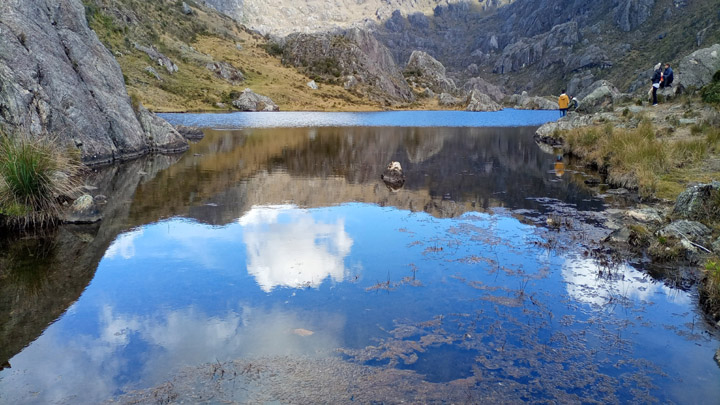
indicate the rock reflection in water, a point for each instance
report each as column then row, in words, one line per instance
column 449, row 171
column 42, row 274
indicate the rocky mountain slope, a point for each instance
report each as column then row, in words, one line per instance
column 56, row 79
column 535, row 45
column 310, row 16
column 179, row 56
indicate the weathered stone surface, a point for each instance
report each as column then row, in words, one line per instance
column 57, row 78
column 571, row 121
column 684, row 229
column 251, row 101
column 630, row 14
column 484, row 87
column 449, row 100
column 525, row 102
column 393, row 176
column 645, row 215
column 696, row 70
column 186, row 9
column 599, row 96
column 193, row 133
column 312, row 85
column 580, row 82
column 226, row 71
column 160, row 136
column 366, row 64
column 552, row 47
column 159, row 58
column 84, row 210
column 426, row 71
column 152, row 72
column 478, row 101
column 698, row 202
column 591, row 57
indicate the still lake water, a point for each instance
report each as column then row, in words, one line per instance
column 271, row 263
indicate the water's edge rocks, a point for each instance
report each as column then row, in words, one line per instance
column 57, row 79
column 251, row 101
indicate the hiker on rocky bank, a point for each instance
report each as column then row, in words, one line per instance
column 667, row 76
column 657, row 77
column 563, row 103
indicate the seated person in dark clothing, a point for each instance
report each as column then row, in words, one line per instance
column 667, row 76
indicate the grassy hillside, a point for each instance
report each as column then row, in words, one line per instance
column 191, row 42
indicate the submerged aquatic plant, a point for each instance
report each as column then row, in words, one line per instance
column 34, row 173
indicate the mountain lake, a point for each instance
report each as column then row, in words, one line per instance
column 271, row 264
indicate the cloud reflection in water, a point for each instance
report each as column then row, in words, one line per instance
column 287, row 247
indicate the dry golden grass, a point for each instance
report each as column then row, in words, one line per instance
column 646, row 159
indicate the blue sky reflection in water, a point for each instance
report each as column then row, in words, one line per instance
column 303, row 257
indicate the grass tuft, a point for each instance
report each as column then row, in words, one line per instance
column 709, row 289
column 34, row 173
column 643, row 158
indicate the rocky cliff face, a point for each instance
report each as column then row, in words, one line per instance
column 353, row 57
column 540, row 46
column 309, row 16
column 56, row 78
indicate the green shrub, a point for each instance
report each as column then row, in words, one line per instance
column 273, row 49
column 711, row 92
column 33, row 174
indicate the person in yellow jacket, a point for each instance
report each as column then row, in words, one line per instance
column 563, row 102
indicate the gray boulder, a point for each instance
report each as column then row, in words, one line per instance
column 599, row 96
column 84, row 210
column 544, row 50
column 580, row 82
column 226, row 72
column 193, row 133
column 525, row 102
column 426, row 71
column 630, row 14
column 158, row 57
column 697, row 69
column 312, row 85
column 645, row 215
column 449, row 100
column 186, row 9
column 353, row 53
column 152, row 72
column 591, row 57
column 393, row 176
column 478, row 101
column 57, row 78
column 251, row 101
column 160, row 136
column 571, row 121
column 698, row 202
column 686, row 230
column 484, row 87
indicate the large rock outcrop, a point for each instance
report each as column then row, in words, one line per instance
column 251, row 101
column 478, row 101
column 550, row 48
column 523, row 101
column 57, row 78
column 355, row 55
column 630, row 14
column 599, row 96
column 426, row 71
column 697, row 69
column 484, row 87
